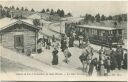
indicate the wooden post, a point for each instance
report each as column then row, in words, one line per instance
column 36, row 38
column 1, row 38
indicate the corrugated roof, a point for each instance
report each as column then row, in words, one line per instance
column 34, row 16
column 28, row 21
column 72, row 19
column 38, row 16
column 6, row 22
column 98, row 27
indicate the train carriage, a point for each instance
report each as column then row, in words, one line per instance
column 105, row 36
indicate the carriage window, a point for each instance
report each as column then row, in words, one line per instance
column 120, row 31
column 98, row 32
column 102, row 33
column 106, row 33
column 109, row 32
column 95, row 32
column 87, row 30
column 114, row 32
column 92, row 31
column 81, row 29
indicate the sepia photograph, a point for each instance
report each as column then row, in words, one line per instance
column 63, row 38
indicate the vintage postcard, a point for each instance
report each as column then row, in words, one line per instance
column 63, row 40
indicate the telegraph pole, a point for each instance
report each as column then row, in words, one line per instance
column 61, row 27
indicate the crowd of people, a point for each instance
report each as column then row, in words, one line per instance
column 105, row 61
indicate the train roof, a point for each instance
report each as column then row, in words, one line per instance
column 98, row 27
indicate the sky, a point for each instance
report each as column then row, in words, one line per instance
column 77, row 8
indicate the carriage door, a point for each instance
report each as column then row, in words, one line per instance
column 87, row 30
column 19, row 43
column 119, row 36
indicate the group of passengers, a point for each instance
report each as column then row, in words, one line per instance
column 105, row 62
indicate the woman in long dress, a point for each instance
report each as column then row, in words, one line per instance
column 91, row 67
column 102, row 69
column 83, row 59
column 39, row 47
column 55, row 57
column 67, row 55
column 113, row 60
